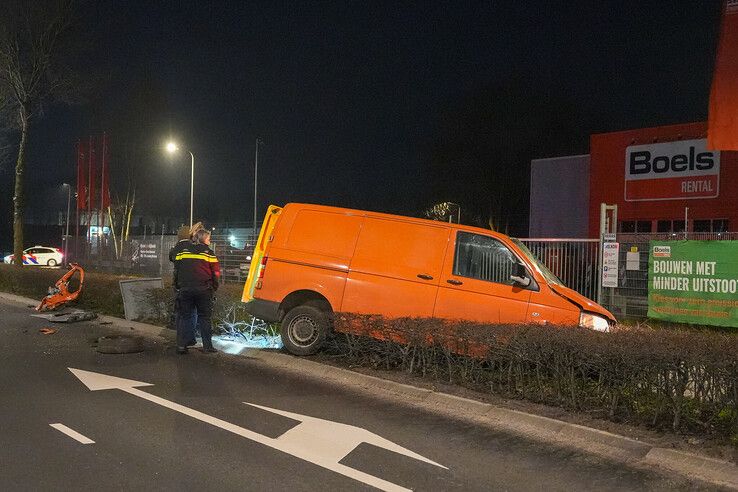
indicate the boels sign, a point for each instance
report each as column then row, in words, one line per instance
column 671, row 171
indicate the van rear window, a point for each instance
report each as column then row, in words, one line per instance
column 326, row 233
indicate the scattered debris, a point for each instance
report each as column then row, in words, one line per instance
column 47, row 331
column 67, row 316
column 59, row 294
column 74, row 317
column 119, row 344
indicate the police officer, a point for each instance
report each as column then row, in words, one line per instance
column 184, row 240
column 185, row 237
column 197, row 274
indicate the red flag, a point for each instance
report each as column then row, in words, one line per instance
column 91, row 177
column 81, row 177
column 105, row 181
column 722, row 129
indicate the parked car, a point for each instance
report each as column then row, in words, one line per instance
column 40, row 256
column 311, row 261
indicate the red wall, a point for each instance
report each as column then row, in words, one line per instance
column 607, row 179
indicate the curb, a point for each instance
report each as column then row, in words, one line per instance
column 613, row 446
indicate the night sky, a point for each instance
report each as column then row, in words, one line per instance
column 352, row 99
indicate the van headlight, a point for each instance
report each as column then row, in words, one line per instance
column 594, row 322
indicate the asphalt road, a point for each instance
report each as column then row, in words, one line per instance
column 199, row 435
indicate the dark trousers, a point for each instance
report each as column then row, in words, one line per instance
column 174, row 320
column 195, row 303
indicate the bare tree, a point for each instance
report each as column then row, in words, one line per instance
column 119, row 214
column 35, row 70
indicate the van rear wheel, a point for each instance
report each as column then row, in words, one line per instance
column 304, row 329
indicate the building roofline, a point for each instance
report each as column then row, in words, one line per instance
column 558, row 158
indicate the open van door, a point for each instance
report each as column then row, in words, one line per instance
column 267, row 228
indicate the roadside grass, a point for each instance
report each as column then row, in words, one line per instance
column 659, row 324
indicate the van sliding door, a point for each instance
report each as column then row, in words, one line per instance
column 395, row 268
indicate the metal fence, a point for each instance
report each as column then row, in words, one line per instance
column 575, row 261
column 138, row 255
column 149, row 255
column 234, row 254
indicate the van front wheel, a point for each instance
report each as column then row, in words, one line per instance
column 304, row 330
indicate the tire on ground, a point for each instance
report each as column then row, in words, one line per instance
column 304, row 329
column 119, row 344
column 51, row 262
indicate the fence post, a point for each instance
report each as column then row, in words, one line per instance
column 607, row 226
column 161, row 252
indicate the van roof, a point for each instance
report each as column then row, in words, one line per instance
column 405, row 218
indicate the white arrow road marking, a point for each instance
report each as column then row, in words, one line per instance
column 330, row 440
column 72, row 433
column 317, row 441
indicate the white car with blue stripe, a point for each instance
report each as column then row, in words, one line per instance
column 39, row 256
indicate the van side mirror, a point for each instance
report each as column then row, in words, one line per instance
column 520, row 275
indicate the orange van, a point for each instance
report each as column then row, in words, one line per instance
column 312, row 261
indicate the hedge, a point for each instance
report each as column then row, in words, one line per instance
column 678, row 380
column 100, row 293
column 228, row 309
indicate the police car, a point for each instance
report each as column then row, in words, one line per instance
column 39, row 256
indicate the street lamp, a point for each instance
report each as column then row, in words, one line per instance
column 172, row 148
column 66, row 233
column 256, row 169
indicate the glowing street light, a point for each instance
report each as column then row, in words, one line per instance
column 172, row 148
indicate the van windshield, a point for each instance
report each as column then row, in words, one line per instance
column 542, row 269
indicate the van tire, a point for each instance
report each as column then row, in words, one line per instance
column 304, row 329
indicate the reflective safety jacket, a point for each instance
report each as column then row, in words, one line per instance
column 177, row 248
column 196, row 267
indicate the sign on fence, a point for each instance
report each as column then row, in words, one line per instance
column 694, row 282
column 147, row 254
column 610, row 253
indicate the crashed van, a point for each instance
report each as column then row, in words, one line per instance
column 312, row 261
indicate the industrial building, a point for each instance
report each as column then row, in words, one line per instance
column 662, row 179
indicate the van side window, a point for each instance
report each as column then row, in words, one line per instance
column 483, row 258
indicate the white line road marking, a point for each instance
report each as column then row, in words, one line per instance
column 323, row 450
column 72, row 433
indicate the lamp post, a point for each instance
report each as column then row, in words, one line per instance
column 458, row 212
column 66, row 232
column 256, row 169
column 172, row 148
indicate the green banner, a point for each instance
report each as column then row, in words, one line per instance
column 694, row 282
